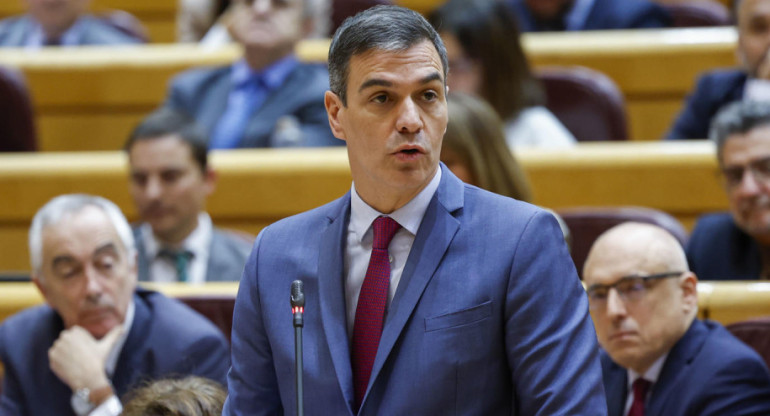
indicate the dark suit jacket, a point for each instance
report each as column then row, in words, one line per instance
column 719, row 250
column 166, row 339
column 227, row 255
column 606, row 14
column 713, row 91
column 489, row 317
column 15, row 32
column 708, row 372
column 203, row 93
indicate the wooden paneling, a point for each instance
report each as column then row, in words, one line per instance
column 258, row 187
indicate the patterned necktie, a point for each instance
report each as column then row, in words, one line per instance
column 640, row 387
column 370, row 311
column 180, row 259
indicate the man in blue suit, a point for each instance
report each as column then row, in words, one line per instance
column 424, row 295
column 717, row 88
column 658, row 359
column 97, row 337
column 268, row 98
column 561, row 15
column 59, row 23
column 736, row 245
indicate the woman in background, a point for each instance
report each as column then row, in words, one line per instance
column 474, row 149
column 486, row 59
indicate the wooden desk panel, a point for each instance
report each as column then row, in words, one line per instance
column 725, row 302
column 258, row 187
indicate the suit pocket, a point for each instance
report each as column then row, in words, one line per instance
column 459, row 318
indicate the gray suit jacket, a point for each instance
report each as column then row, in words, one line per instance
column 202, row 94
column 227, row 255
column 15, row 32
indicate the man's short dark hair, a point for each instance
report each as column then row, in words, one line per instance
column 167, row 122
column 385, row 28
column 738, row 118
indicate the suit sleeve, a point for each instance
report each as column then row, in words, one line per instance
column 210, row 359
column 694, row 119
column 741, row 388
column 550, row 339
column 10, row 398
column 252, row 381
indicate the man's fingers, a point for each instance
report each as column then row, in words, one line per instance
column 109, row 340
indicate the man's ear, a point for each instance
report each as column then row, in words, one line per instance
column 210, row 178
column 40, row 286
column 335, row 110
column 689, row 284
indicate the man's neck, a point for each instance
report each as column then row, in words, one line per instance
column 176, row 237
column 259, row 59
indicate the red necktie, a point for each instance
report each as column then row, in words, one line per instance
column 640, row 393
column 370, row 311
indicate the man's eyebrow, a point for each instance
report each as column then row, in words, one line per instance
column 383, row 83
column 107, row 248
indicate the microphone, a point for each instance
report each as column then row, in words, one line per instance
column 297, row 300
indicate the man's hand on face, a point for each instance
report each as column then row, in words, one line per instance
column 78, row 359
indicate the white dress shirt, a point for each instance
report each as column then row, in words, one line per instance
column 358, row 249
column 652, row 374
column 112, row 406
column 163, row 269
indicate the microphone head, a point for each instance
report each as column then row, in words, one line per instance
column 297, row 294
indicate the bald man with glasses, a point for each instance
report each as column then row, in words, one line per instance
column 658, row 359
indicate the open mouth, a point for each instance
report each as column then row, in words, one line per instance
column 410, row 151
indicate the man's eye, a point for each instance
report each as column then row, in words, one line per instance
column 430, row 95
column 380, row 99
column 600, row 294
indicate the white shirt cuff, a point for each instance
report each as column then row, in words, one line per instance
column 110, row 407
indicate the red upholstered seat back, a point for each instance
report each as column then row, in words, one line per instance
column 17, row 121
column 756, row 334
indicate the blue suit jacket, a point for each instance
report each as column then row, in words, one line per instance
column 15, row 32
column 606, row 14
column 166, row 339
column 202, row 94
column 489, row 317
column 227, row 255
column 719, row 250
column 713, row 91
column 708, row 372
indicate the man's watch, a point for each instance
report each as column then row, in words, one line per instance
column 81, row 401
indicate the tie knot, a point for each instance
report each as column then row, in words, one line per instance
column 640, row 388
column 175, row 255
column 384, row 230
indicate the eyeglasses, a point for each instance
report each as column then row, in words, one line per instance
column 759, row 168
column 630, row 289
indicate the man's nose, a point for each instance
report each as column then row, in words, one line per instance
column 749, row 185
column 154, row 188
column 261, row 7
column 409, row 120
column 93, row 283
column 616, row 307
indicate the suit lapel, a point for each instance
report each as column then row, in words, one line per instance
column 130, row 365
column 332, row 295
column 218, row 259
column 214, row 102
column 679, row 359
column 615, row 385
column 436, row 232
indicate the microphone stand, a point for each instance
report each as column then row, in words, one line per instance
column 298, row 308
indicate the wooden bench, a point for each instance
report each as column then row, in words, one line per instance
column 725, row 302
column 257, row 187
column 90, row 98
column 158, row 16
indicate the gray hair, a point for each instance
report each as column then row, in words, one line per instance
column 385, row 28
column 65, row 205
column 737, row 118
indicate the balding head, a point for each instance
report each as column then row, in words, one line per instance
column 638, row 320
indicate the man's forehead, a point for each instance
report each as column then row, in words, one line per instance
column 369, row 63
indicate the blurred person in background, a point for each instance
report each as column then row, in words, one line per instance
column 486, row 57
column 60, row 23
column 561, row 15
column 188, row 396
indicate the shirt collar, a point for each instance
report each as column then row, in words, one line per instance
column 578, row 15
column 652, row 374
column 409, row 216
column 197, row 242
column 112, row 357
column 273, row 76
column 70, row 37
